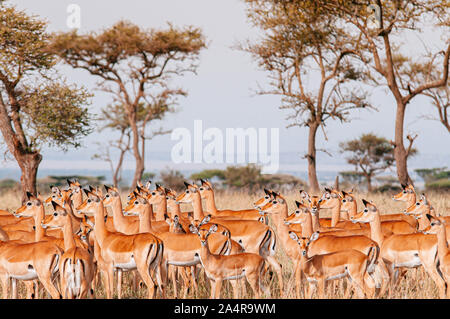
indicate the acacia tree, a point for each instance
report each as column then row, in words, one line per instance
column 380, row 26
column 307, row 58
column 36, row 107
column 133, row 64
column 370, row 154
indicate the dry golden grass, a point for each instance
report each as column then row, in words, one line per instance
column 417, row 283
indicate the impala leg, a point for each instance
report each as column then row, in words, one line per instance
column 29, row 286
column 119, row 283
column 14, row 288
column 5, row 285
column 217, row 288
column 438, row 280
column 278, row 269
column 321, row 288
column 253, row 280
column 46, row 280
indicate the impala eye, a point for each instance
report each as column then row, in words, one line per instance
column 153, row 193
column 344, row 200
column 136, row 202
column 418, row 204
column 89, row 200
column 201, row 188
column 187, row 192
column 366, row 210
column 266, row 197
column 107, row 195
column 274, row 202
column 55, row 214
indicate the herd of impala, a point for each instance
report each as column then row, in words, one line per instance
column 68, row 249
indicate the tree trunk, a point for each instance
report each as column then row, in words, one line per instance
column 369, row 183
column 135, row 146
column 311, row 156
column 29, row 164
column 401, row 157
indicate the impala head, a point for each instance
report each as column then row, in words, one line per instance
column 369, row 213
column 275, row 205
column 313, row 202
column 203, row 233
column 137, row 206
column 90, row 204
column 348, row 202
column 31, row 207
column 141, row 190
column 303, row 242
column 263, row 200
column 174, row 224
column 189, row 194
column 111, row 196
column 206, row 189
column 436, row 224
column 419, row 208
column 86, row 226
column 57, row 219
column 74, row 186
column 330, row 198
column 157, row 196
column 299, row 216
column 407, row 194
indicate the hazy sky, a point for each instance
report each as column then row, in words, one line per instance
column 221, row 93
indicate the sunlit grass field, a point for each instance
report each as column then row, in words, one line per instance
column 416, row 284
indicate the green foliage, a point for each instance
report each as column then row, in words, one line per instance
column 56, row 115
column 369, row 153
column 435, row 178
column 148, row 176
column 433, row 174
column 173, row 179
column 352, row 177
column 209, row 174
column 441, row 184
column 7, row 184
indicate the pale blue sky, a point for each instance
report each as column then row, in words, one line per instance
column 221, row 93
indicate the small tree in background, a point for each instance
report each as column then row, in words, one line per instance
column 37, row 108
column 370, row 154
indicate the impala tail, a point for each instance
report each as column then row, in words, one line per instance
column 268, row 244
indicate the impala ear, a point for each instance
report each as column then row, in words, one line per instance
column 365, row 202
column 328, row 190
column 314, row 236
column 298, row 204
column 187, row 184
column 293, row 235
column 202, row 181
column 267, row 192
column 193, row 229
column 429, row 217
column 344, row 194
column 403, row 186
column 213, row 229
column 107, row 188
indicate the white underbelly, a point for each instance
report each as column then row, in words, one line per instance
column 126, row 266
column 409, row 259
column 30, row 275
column 191, row 262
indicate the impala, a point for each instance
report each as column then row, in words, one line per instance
column 438, row 227
column 76, row 265
column 402, row 250
column 319, row 269
column 143, row 252
column 219, row 268
column 254, row 236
